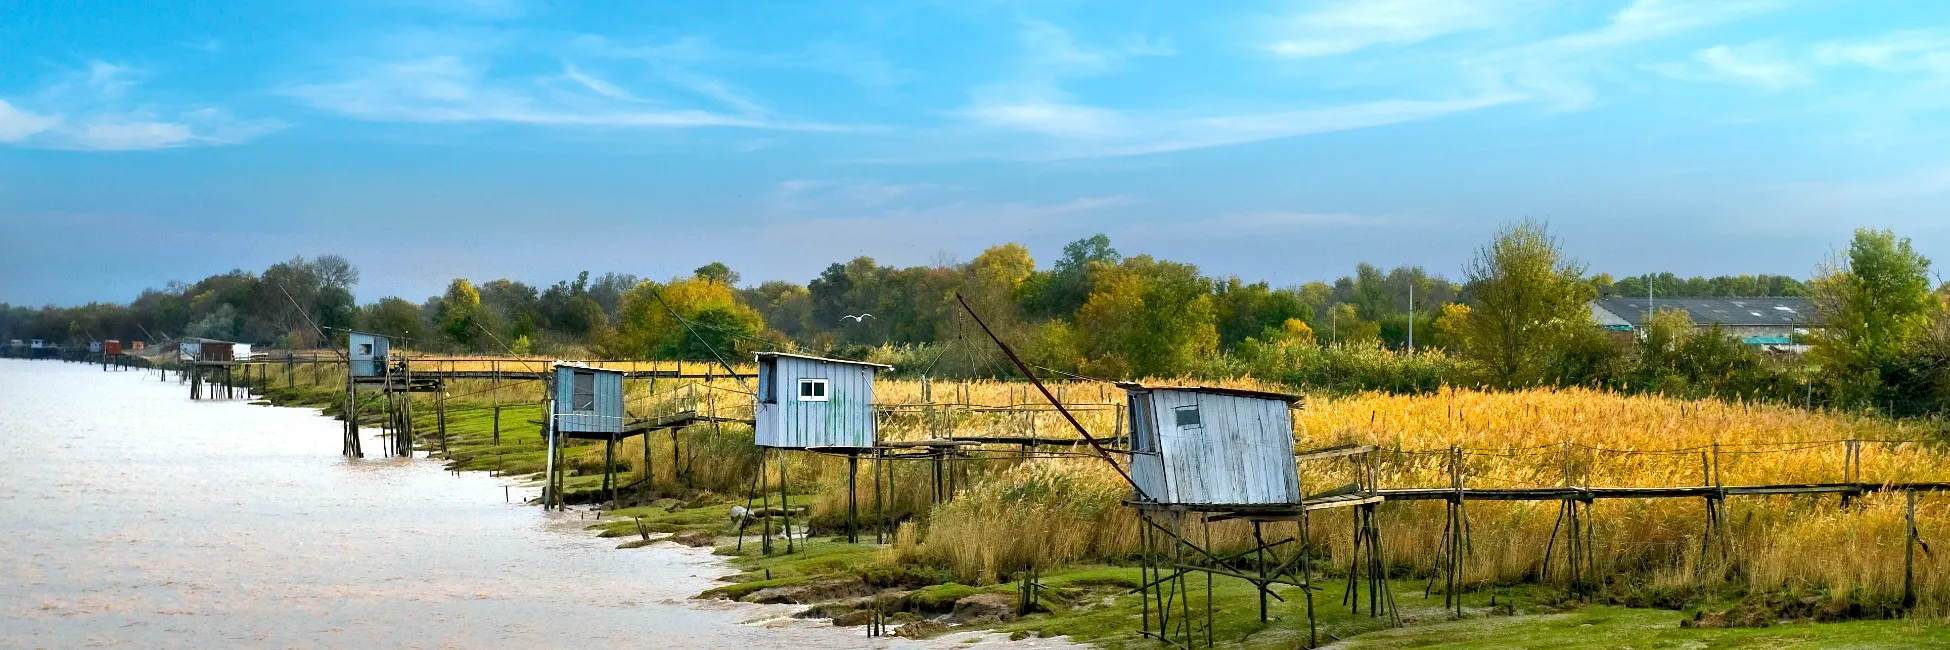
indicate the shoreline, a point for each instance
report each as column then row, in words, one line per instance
column 1492, row 610
column 710, row 572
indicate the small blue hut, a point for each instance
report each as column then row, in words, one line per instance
column 812, row 402
column 588, row 401
column 367, row 353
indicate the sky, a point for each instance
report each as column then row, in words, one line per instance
column 424, row 140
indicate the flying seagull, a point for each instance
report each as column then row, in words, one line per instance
column 856, row 319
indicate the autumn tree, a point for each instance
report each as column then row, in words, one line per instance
column 693, row 318
column 1530, row 301
column 1149, row 317
column 460, row 313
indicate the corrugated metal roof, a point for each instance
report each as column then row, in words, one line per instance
column 789, row 355
column 1731, row 312
column 1215, row 390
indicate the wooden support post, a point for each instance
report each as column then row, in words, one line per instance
column 879, row 503
column 765, row 500
column 497, row 424
column 785, row 506
column 852, row 498
column 440, row 415
column 1259, row 552
column 609, row 469
column 548, row 457
column 1909, row 550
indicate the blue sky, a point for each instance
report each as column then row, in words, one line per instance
column 427, row 139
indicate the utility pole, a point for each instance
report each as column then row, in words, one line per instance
column 1411, row 316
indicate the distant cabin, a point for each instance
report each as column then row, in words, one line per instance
column 1212, row 447
column 812, row 402
column 216, row 351
column 111, row 347
column 367, row 353
column 94, row 346
column 588, row 401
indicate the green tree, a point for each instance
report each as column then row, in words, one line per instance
column 1530, row 301
column 391, row 316
column 460, row 313
column 1152, row 316
column 717, row 272
column 1874, row 301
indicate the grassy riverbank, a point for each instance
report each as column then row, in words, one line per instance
column 952, row 565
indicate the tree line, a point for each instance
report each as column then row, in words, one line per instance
column 1516, row 317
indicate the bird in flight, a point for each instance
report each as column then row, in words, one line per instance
column 856, row 319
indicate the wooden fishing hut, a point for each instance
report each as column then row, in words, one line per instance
column 585, row 403
column 1201, row 454
column 210, row 361
column 371, row 363
column 814, row 404
column 111, row 353
column 366, row 353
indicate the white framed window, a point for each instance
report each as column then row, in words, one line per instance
column 365, row 349
column 1186, row 417
column 812, row 390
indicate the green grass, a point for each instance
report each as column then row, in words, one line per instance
column 1598, row 627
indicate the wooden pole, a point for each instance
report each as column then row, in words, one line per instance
column 852, row 498
column 1909, row 551
column 785, row 506
column 609, row 468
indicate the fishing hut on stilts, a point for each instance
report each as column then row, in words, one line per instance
column 813, row 404
column 584, row 403
column 1201, row 455
column 371, row 364
column 212, row 367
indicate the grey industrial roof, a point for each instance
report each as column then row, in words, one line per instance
column 1731, row 312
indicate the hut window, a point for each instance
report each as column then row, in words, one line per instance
column 1186, row 417
column 1141, row 434
column 585, row 392
column 812, row 390
column 365, row 349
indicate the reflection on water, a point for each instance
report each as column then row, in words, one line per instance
column 130, row 515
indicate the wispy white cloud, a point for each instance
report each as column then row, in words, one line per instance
column 17, row 125
column 1034, row 99
column 449, row 89
column 1354, row 25
column 864, row 65
column 1557, row 70
column 1761, row 65
column 1164, row 135
column 1911, row 51
column 90, row 110
column 596, row 85
column 144, row 130
column 432, row 78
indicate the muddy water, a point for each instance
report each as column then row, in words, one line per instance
column 132, row 516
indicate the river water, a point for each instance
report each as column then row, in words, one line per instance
column 132, row 516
